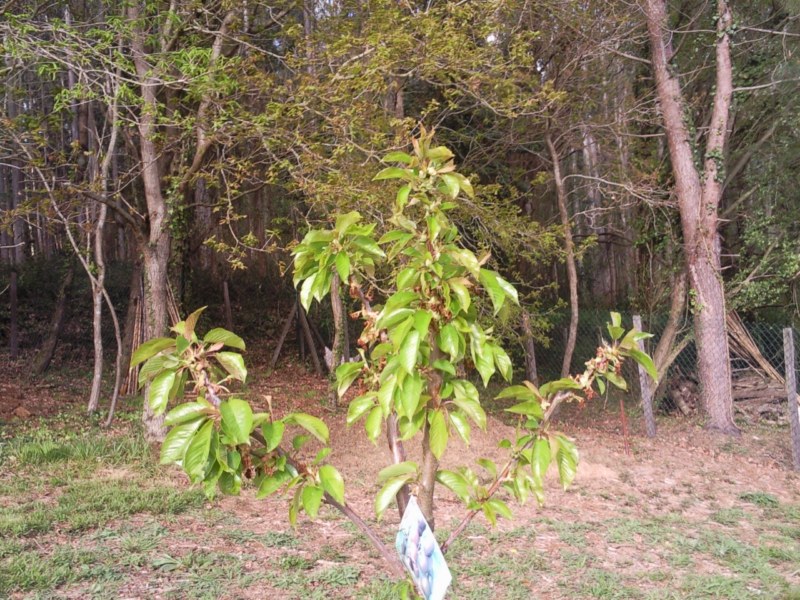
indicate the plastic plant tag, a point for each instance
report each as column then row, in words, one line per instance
column 421, row 554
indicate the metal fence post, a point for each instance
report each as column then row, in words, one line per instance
column 791, row 392
column 645, row 387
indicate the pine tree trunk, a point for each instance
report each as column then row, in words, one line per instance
column 13, row 326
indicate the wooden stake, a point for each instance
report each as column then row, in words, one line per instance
column 645, row 387
column 791, row 393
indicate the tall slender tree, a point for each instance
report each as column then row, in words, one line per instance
column 699, row 191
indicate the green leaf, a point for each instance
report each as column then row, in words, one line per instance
column 402, row 196
column 230, row 483
column 459, row 422
column 455, row 482
column 518, row 391
column 565, row 383
column 439, row 153
column 483, row 356
column 567, row 460
column 395, row 235
column 198, row 450
column 233, row 363
column 408, row 351
column 645, row 360
column 410, row 427
column 306, row 291
column 150, row 348
column 359, row 406
column 190, row 323
column 489, row 513
column 409, row 395
column 185, row 412
column 346, row 374
column 391, row 317
column 438, row 433
column 181, row 344
column 237, row 420
column 616, row 319
column 315, row 236
column 540, row 460
column 458, row 287
column 312, row 499
column 398, row 333
column 531, row 408
column 422, row 319
column 616, row 380
column 174, row 445
column 388, row 493
column 273, row 434
column 407, row 278
column 369, row 246
column 391, row 173
column 465, row 184
column 400, row 299
column 444, row 365
column 407, row 468
column 332, row 482
column 448, row 340
column 159, row 391
column 615, row 332
column 509, row 290
column 270, row 485
column 311, row 424
column 465, row 396
column 154, row 365
column 397, row 156
column 500, row 507
column 343, row 266
column 489, row 281
column 489, row 465
column 373, row 423
column 386, row 394
column 345, row 221
column 467, row 259
column 452, row 185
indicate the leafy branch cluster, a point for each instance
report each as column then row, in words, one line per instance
column 410, row 378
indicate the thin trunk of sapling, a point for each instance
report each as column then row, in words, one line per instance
column 569, row 257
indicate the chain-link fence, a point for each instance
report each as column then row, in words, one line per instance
column 756, row 349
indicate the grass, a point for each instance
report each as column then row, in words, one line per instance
column 86, row 513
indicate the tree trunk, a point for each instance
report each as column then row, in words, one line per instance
column 699, row 196
column 97, row 309
column 309, row 339
column 339, row 350
column 156, row 248
column 569, row 252
column 56, row 323
column 228, row 312
column 666, row 342
column 430, row 464
column 156, row 257
column 13, row 326
column 531, row 373
column 130, row 338
column 287, row 324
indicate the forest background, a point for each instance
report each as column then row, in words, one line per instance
column 158, row 156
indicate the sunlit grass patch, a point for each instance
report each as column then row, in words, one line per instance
column 84, row 505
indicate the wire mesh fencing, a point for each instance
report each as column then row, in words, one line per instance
column 755, row 351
